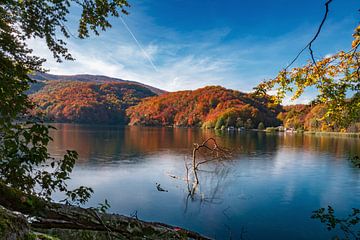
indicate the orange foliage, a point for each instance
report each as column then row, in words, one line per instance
column 294, row 115
column 84, row 102
column 311, row 118
column 202, row 107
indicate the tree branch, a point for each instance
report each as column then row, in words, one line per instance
column 309, row 45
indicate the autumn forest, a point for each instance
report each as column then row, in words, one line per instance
column 107, row 101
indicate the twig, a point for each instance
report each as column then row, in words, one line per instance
column 108, row 230
column 309, row 45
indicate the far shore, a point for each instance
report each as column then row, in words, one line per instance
column 345, row 134
column 267, row 130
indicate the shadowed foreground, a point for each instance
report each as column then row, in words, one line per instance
column 71, row 222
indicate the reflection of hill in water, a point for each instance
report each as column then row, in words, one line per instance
column 112, row 143
column 273, row 178
column 337, row 146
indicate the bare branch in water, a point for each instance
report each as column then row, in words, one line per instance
column 213, row 153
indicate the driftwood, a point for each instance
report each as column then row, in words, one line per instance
column 49, row 215
column 213, row 153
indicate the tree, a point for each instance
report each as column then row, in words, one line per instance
column 24, row 140
column 336, row 77
column 249, row 124
column 220, row 122
column 261, row 126
column 239, row 122
column 313, row 124
column 230, row 121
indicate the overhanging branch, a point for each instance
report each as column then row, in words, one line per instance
column 309, row 45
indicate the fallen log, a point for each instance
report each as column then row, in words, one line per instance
column 49, row 215
column 12, row 226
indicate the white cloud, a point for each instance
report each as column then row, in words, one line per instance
column 125, row 60
column 183, row 60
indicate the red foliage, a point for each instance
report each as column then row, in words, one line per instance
column 84, row 102
column 201, row 107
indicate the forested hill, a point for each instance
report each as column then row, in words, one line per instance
column 41, row 77
column 313, row 118
column 87, row 102
column 98, row 99
column 210, row 107
column 104, row 102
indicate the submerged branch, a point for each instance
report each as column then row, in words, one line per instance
column 214, row 151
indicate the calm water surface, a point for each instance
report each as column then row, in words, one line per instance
column 266, row 191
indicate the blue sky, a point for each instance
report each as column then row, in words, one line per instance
column 188, row 44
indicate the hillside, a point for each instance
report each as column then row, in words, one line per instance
column 312, row 118
column 83, row 102
column 210, row 107
column 41, row 77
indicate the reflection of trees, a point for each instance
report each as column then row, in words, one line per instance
column 89, row 141
column 339, row 146
column 112, row 143
column 348, row 225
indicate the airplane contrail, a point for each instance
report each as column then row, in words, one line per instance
column 139, row 45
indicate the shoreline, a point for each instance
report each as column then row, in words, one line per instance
column 339, row 134
column 316, row 133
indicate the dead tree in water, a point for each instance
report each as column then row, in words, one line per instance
column 213, row 153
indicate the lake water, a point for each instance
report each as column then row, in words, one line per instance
column 267, row 190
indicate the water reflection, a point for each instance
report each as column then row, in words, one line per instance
column 89, row 141
column 272, row 183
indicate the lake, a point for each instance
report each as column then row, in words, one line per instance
column 267, row 190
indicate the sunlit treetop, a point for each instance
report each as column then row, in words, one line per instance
column 336, row 77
